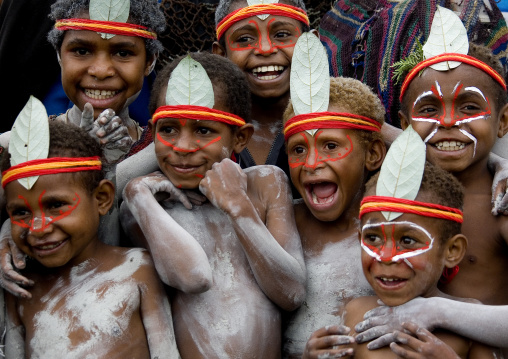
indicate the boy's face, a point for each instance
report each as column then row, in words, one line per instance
column 106, row 73
column 403, row 258
column 455, row 114
column 263, row 49
column 55, row 222
column 186, row 149
column 328, row 169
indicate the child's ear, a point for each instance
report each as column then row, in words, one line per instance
column 104, row 195
column 217, row 49
column 404, row 121
column 503, row 122
column 375, row 155
column 455, row 249
column 150, row 64
column 242, row 137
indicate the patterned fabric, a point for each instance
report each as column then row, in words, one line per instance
column 364, row 38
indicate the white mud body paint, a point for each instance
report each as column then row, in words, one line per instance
column 333, row 279
column 100, row 304
column 234, row 318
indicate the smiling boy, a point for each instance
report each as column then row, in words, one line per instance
column 459, row 114
column 90, row 299
column 235, row 260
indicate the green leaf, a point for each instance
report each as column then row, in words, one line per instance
column 310, row 77
column 402, row 170
column 109, row 10
column 189, row 84
column 29, row 138
column 447, row 35
column 256, row 2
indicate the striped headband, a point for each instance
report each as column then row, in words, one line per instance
column 48, row 166
column 469, row 60
column 197, row 113
column 108, row 27
column 260, row 9
column 310, row 121
column 392, row 204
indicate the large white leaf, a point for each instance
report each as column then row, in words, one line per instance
column 189, row 84
column 402, row 170
column 310, row 77
column 447, row 34
column 256, row 2
column 109, row 10
column 29, row 138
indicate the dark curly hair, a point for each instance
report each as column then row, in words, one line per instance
column 224, row 75
column 439, row 187
column 67, row 140
column 142, row 12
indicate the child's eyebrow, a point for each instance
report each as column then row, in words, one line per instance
column 79, row 42
column 475, row 90
column 423, row 96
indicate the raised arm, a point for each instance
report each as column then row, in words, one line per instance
column 156, row 314
column 179, row 259
column 272, row 243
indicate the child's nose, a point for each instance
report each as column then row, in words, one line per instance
column 388, row 251
column 448, row 119
column 266, row 46
column 102, row 67
column 186, row 144
column 313, row 162
column 40, row 226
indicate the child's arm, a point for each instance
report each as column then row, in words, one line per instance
column 179, row 259
column 324, row 342
column 499, row 167
column 14, row 331
column 156, row 314
column 272, row 246
column 483, row 323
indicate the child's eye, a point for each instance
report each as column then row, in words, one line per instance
column 20, row 212
column 244, row 39
column 427, row 110
column 408, row 242
column 204, row 131
column 372, row 239
column 55, row 204
column 124, row 53
column 331, row 146
column 299, row 150
column 167, row 129
column 81, row 51
column 470, row 108
column 282, row 34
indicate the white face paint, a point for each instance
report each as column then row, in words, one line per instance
column 398, row 252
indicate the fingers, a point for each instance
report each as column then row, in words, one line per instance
column 325, row 342
column 87, row 120
column 18, row 256
column 380, row 342
column 500, row 198
column 403, row 353
column 12, row 280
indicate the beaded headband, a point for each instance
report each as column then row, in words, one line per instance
column 309, row 121
column 108, row 27
column 400, row 205
column 451, row 57
column 196, row 113
column 259, row 9
column 52, row 165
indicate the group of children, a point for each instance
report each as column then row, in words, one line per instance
column 248, row 271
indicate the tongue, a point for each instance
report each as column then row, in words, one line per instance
column 324, row 190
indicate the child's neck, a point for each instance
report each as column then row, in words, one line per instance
column 475, row 176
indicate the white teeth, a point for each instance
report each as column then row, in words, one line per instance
column 50, row 246
column 100, row 94
column 388, row 279
column 267, row 68
column 450, row 145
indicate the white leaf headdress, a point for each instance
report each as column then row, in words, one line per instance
column 109, row 10
column 29, row 138
column 402, row 170
column 189, row 84
column 261, row 2
column 447, row 35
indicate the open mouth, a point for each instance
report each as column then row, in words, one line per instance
column 268, row 72
column 450, row 145
column 48, row 248
column 322, row 193
column 100, row 94
column 390, row 281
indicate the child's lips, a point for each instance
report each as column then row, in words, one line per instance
column 390, row 283
column 269, row 72
column 48, row 248
column 100, row 94
column 450, row 145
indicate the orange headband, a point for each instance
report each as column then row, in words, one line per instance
column 261, row 9
column 451, row 57
column 49, row 166
column 391, row 204
column 197, row 113
column 310, row 121
column 108, row 27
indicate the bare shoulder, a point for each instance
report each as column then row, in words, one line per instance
column 135, row 261
column 267, row 175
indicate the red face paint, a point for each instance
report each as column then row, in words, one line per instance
column 45, row 221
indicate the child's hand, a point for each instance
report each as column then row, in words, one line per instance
column 422, row 345
column 11, row 257
column 325, row 342
column 499, row 167
column 158, row 185
column 381, row 322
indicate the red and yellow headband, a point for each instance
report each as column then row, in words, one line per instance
column 392, row 204
column 108, row 27
column 261, row 9
column 48, row 166
column 451, row 57
column 310, row 121
column 197, row 113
